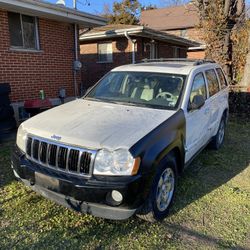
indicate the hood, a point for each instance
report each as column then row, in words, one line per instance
column 96, row 125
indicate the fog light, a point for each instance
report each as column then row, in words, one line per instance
column 116, row 196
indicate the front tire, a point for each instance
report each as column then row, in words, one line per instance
column 163, row 188
column 218, row 139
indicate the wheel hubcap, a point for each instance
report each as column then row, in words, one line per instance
column 165, row 189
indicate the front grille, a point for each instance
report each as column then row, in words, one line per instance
column 61, row 157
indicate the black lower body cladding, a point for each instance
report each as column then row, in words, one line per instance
column 88, row 195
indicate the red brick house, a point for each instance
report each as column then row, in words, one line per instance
column 106, row 47
column 38, row 47
column 181, row 21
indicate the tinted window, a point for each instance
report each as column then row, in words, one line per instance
column 199, row 87
column 222, row 78
column 213, row 84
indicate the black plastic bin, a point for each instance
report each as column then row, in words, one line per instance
column 7, row 120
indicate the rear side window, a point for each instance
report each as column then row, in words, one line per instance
column 213, row 83
column 222, row 78
column 199, row 87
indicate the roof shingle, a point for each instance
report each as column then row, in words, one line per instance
column 177, row 17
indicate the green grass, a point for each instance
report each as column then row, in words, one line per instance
column 211, row 209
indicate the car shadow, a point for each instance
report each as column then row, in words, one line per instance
column 211, row 169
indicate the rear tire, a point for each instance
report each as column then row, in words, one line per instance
column 156, row 207
column 218, row 139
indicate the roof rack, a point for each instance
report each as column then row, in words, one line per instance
column 194, row 61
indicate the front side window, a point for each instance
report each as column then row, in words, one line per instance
column 105, row 52
column 198, row 87
column 222, row 78
column 154, row 90
column 23, row 31
column 212, row 81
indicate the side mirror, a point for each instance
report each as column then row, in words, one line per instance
column 197, row 103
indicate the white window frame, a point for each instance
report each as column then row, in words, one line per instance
column 109, row 60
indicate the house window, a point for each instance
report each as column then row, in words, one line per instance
column 23, row 31
column 105, row 52
column 177, row 52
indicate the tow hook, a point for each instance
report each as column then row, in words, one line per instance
column 32, row 182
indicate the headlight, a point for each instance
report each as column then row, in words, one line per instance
column 118, row 162
column 21, row 138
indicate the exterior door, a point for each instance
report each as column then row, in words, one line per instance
column 215, row 101
column 197, row 121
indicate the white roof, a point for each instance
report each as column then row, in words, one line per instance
column 160, row 67
column 52, row 11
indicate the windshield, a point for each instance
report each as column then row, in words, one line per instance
column 155, row 90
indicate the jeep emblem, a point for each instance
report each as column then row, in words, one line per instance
column 56, row 137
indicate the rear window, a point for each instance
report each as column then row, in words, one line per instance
column 213, row 83
column 222, row 78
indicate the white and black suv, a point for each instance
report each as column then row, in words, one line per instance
column 118, row 150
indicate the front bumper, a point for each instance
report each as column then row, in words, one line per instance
column 87, row 195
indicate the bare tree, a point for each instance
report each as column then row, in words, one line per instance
column 219, row 19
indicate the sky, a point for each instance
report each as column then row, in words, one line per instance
column 96, row 6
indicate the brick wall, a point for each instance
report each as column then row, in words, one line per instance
column 122, row 54
column 191, row 33
column 48, row 69
column 199, row 54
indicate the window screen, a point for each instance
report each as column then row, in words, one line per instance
column 23, row 33
column 29, row 33
column 105, row 53
column 213, row 84
column 222, row 78
column 199, row 87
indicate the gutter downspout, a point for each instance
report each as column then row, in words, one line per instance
column 76, row 51
column 133, row 45
column 76, row 59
